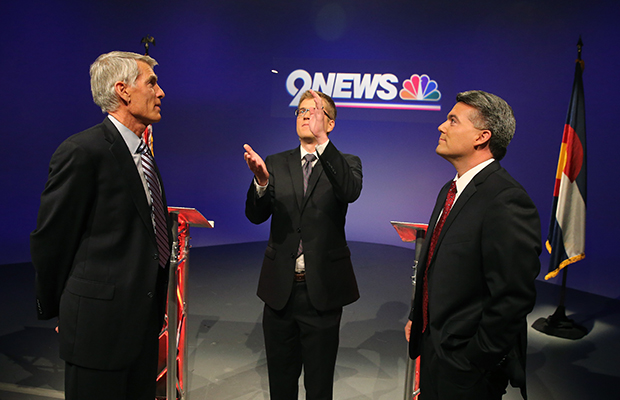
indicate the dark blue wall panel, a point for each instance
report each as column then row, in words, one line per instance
column 216, row 61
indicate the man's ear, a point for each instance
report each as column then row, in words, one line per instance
column 121, row 91
column 330, row 126
column 483, row 138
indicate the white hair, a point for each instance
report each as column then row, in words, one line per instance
column 109, row 68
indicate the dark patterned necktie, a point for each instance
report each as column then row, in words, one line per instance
column 157, row 204
column 444, row 215
column 307, row 170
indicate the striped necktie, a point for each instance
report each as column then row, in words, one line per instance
column 157, row 204
column 307, row 170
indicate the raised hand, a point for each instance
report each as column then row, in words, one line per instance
column 256, row 165
column 317, row 119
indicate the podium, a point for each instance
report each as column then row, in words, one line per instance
column 172, row 368
column 411, row 232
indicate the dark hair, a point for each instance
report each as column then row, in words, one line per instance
column 493, row 114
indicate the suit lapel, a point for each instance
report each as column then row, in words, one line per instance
column 441, row 198
column 464, row 197
column 297, row 179
column 129, row 174
column 317, row 171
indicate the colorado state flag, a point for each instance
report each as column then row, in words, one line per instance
column 567, row 228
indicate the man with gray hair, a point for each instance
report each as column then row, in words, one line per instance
column 475, row 278
column 101, row 248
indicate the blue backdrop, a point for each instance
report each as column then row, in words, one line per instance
column 224, row 67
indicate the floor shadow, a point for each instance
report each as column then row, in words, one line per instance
column 34, row 355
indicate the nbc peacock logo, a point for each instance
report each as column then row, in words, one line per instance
column 420, row 88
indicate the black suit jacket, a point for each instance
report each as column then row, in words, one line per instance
column 481, row 278
column 94, row 251
column 318, row 218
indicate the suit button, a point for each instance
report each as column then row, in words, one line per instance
column 298, row 230
column 150, row 294
column 155, row 256
column 293, row 256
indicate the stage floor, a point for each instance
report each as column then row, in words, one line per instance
column 226, row 353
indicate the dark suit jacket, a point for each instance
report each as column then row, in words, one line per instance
column 94, row 251
column 318, row 218
column 481, row 278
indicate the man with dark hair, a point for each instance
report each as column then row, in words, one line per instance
column 101, row 248
column 307, row 276
column 475, row 279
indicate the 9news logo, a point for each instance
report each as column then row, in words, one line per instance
column 419, row 92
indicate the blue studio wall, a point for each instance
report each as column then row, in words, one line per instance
column 224, row 66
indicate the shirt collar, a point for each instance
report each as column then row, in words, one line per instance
column 304, row 152
column 318, row 150
column 131, row 140
column 463, row 181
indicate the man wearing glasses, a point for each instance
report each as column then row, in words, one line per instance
column 307, row 275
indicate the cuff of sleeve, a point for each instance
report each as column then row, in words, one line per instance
column 320, row 148
column 260, row 190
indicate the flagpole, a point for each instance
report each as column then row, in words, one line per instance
column 558, row 324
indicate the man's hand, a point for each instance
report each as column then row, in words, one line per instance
column 317, row 119
column 256, row 165
column 408, row 330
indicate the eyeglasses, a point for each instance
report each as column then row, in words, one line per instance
column 300, row 112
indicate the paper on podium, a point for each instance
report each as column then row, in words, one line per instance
column 191, row 216
column 409, row 231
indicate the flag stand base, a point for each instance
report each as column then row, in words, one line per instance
column 560, row 325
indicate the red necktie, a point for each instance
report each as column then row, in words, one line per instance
column 444, row 215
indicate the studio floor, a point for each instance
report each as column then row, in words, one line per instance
column 226, row 353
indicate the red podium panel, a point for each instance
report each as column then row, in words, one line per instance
column 409, row 231
column 412, row 232
column 172, row 340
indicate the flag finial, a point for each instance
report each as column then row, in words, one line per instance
column 579, row 46
column 148, row 39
